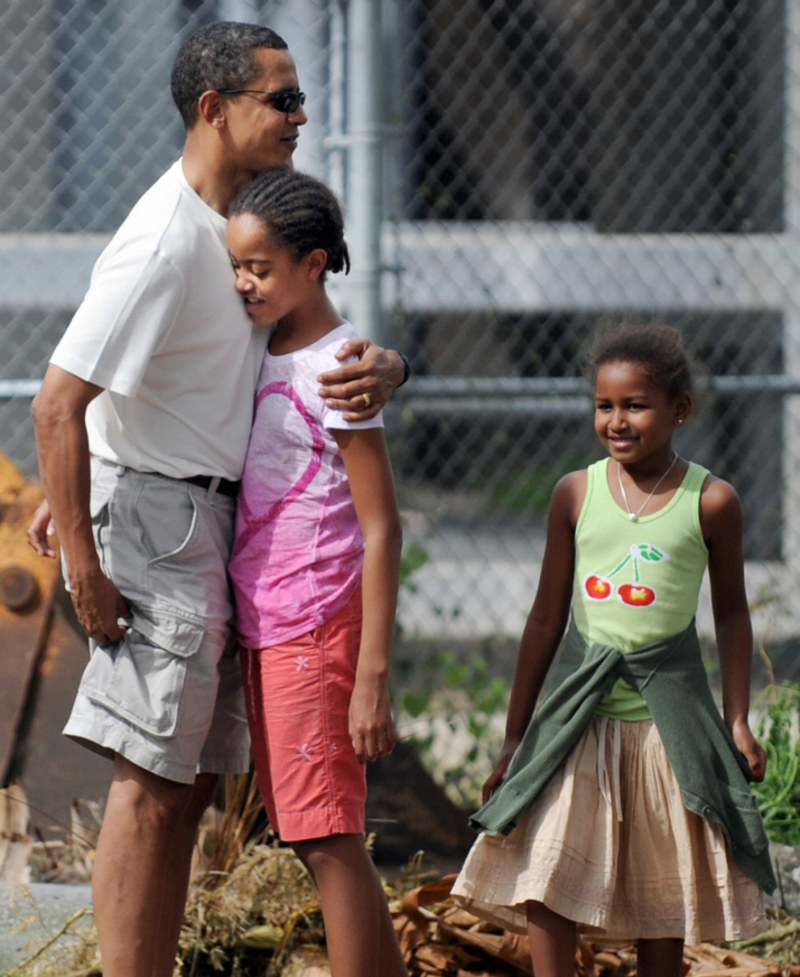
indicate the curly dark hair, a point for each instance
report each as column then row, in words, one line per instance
column 300, row 212
column 217, row 57
column 659, row 349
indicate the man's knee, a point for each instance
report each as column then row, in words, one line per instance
column 151, row 797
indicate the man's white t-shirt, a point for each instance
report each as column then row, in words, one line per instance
column 163, row 330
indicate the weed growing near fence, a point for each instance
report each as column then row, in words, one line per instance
column 455, row 718
column 779, row 794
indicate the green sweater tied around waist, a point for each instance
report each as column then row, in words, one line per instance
column 712, row 773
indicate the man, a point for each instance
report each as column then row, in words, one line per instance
column 152, row 386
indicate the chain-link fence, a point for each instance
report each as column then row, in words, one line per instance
column 556, row 164
column 547, row 164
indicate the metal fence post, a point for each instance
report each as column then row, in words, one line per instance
column 363, row 193
column 791, row 308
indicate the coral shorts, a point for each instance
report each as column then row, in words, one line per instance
column 298, row 700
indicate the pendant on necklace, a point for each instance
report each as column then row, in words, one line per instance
column 635, row 515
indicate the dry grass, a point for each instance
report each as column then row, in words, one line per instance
column 780, row 942
column 249, row 898
column 252, row 903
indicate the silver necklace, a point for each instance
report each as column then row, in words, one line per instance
column 635, row 515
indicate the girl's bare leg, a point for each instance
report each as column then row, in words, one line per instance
column 358, row 927
column 553, row 942
column 659, row 958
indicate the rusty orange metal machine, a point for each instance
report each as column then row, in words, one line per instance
column 42, row 655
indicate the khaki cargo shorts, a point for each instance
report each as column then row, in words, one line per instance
column 168, row 697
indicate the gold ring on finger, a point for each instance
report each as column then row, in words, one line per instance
column 367, row 400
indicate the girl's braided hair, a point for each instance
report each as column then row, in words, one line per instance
column 659, row 349
column 300, row 212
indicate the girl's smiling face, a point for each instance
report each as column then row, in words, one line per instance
column 272, row 282
column 633, row 417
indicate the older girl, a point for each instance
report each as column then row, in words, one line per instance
column 315, row 568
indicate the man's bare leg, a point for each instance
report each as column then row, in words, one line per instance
column 136, row 883
column 177, row 871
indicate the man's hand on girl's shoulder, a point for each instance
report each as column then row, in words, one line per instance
column 363, row 387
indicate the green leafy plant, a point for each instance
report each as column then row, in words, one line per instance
column 451, row 709
column 413, row 558
column 779, row 793
column 454, row 717
column 529, row 492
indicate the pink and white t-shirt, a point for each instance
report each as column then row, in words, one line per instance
column 298, row 549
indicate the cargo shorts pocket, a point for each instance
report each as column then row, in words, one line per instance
column 141, row 678
column 168, row 522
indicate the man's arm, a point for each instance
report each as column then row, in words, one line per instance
column 362, row 388
column 59, row 411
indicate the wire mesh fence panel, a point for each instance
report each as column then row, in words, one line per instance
column 90, row 126
column 555, row 165
column 547, row 165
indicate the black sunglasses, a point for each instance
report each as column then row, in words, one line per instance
column 286, row 102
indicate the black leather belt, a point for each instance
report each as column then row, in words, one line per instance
column 224, row 487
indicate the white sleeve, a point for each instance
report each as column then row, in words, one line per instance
column 332, row 419
column 126, row 314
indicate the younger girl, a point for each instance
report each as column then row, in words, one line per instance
column 317, row 514
column 622, row 808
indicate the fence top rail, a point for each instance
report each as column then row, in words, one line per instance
column 54, row 241
column 453, row 388
column 492, row 387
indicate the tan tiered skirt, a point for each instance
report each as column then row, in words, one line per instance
column 609, row 844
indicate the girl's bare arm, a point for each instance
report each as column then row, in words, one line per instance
column 721, row 520
column 546, row 621
column 369, row 471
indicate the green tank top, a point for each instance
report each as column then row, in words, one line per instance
column 636, row 581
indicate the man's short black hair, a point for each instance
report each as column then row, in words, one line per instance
column 217, row 57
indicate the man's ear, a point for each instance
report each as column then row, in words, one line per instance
column 211, row 109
